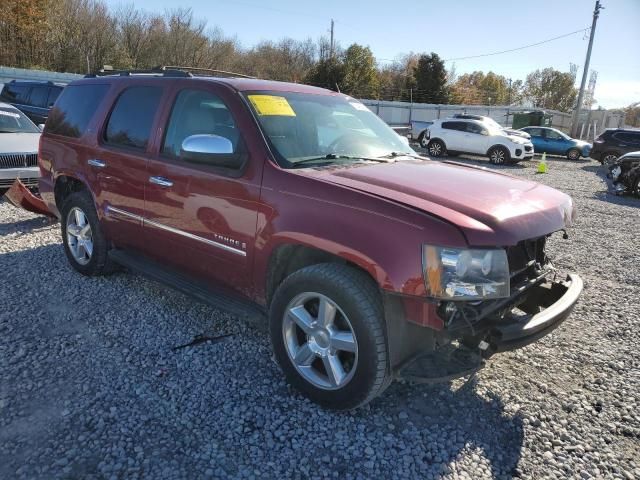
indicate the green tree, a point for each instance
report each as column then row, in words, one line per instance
column 550, row 88
column 360, row 73
column 431, row 80
column 327, row 73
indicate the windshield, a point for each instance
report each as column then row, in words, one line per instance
column 304, row 127
column 14, row 121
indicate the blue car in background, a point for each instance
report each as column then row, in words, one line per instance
column 555, row 142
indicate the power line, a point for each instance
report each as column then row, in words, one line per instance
column 518, row 48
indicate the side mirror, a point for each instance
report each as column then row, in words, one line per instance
column 211, row 150
column 41, row 126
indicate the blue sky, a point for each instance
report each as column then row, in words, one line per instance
column 451, row 28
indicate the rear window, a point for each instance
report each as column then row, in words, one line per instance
column 74, row 109
column 132, row 117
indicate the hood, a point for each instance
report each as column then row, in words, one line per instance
column 19, row 142
column 490, row 208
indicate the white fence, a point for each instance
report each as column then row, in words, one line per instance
column 7, row 74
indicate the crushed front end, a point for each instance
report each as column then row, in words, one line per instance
column 537, row 302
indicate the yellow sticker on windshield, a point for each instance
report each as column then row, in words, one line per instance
column 271, row 105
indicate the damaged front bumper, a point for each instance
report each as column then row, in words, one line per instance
column 534, row 309
column 547, row 305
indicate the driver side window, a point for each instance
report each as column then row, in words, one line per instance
column 198, row 112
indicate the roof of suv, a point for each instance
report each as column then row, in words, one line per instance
column 237, row 83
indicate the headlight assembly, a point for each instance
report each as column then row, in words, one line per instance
column 462, row 274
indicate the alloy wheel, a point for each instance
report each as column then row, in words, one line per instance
column 497, row 156
column 435, row 149
column 609, row 158
column 79, row 237
column 320, row 341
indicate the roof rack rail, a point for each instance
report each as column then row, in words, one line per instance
column 215, row 72
column 160, row 70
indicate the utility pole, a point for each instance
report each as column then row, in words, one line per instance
column 585, row 71
column 509, row 103
column 331, row 47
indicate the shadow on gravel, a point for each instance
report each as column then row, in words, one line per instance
column 454, row 419
column 26, row 226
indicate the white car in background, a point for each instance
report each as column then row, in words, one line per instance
column 19, row 139
column 455, row 136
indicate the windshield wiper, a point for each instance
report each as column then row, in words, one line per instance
column 402, row 154
column 332, row 157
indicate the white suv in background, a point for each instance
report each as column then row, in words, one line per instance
column 455, row 136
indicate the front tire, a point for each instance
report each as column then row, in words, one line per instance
column 84, row 243
column 327, row 330
column 573, row 154
column 609, row 157
column 499, row 155
column 436, row 148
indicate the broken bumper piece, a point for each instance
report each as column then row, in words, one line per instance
column 20, row 196
column 557, row 299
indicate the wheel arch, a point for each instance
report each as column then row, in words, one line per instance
column 65, row 185
column 287, row 258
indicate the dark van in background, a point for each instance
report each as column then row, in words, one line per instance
column 34, row 99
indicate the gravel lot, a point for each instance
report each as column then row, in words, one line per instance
column 91, row 386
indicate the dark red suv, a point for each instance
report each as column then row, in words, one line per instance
column 369, row 261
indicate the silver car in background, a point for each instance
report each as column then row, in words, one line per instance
column 19, row 139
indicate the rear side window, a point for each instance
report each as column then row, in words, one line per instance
column 71, row 115
column 16, row 93
column 628, row 137
column 132, row 117
column 39, row 96
column 454, row 125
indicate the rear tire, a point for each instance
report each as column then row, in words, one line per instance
column 499, row 155
column 338, row 360
column 84, row 243
column 573, row 154
column 436, row 148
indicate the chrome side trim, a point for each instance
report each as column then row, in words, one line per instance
column 124, row 213
column 167, row 228
column 196, row 237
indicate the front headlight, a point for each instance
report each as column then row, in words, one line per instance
column 462, row 274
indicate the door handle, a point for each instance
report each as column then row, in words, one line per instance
column 163, row 182
column 94, row 162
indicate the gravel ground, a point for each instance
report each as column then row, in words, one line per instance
column 91, row 386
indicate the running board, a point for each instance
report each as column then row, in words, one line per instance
column 178, row 281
